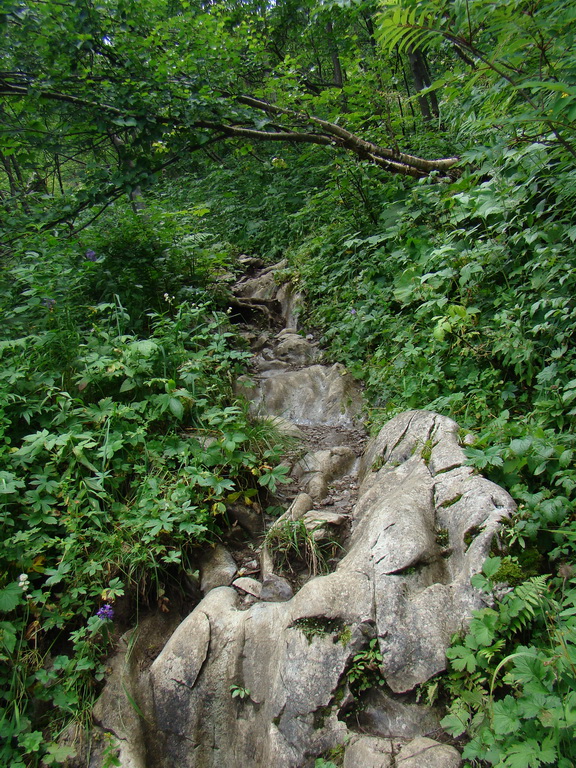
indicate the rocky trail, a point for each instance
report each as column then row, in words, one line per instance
column 316, row 627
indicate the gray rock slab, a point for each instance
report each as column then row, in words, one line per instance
column 264, row 365
column 262, row 287
column 292, row 303
column 296, row 350
column 323, row 517
column 316, row 395
column 389, row 716
column 114, row 713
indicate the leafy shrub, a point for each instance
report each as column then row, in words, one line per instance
column 120, row 454
column 517, row 701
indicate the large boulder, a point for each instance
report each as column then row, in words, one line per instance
column 270, row 684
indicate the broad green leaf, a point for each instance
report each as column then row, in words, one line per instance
column 176, row 407
column 10, row 597
column 491, row 566
column 505, row 715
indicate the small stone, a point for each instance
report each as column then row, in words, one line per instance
column 266, row 563
column 248, row 517
column 248, row 585
column 317, row 487
column 422, row 752
column 369, row 752
column 250, row 261
column 299, row 507
column 275, row 589
column 317, row 518
column 295, row 350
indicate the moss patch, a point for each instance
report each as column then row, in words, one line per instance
column 321, row 626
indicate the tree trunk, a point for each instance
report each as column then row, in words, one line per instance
column 336, row 66
column 421, row 77
column 8, row 170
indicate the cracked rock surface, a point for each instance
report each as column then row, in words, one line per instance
column 420, row 527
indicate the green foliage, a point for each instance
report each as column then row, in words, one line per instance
column 137, row 87
column 290, row 541
column 120, row 440
column 320, row 626
column 458, row 296
column 518, row 56
column 365, row 670
column 239, row 692
column 333, row 758
column 516, row 701
column 120, row 454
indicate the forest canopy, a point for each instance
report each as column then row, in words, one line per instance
column 107, row 95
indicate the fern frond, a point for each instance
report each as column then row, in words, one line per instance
column 404, row 28
column 492, row 650
column 525, row 602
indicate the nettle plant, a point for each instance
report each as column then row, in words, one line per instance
column 120, row 455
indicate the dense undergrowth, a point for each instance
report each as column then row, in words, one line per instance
column 122, row 446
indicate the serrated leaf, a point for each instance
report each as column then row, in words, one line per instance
column 505, row 715
column 55, row 576
column 8, row 636
column 10, row 597
column 462, row 658
column 526, row 754
column 32, row 741
column 146, row 347
column 454, row 724
column 491, row 566
column 520, row 446
column 127, row 385
column 59, row 753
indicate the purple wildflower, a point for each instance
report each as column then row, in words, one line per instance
column 106, row 613
column 49, row 303
column 352, row 311
column 91, row 255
